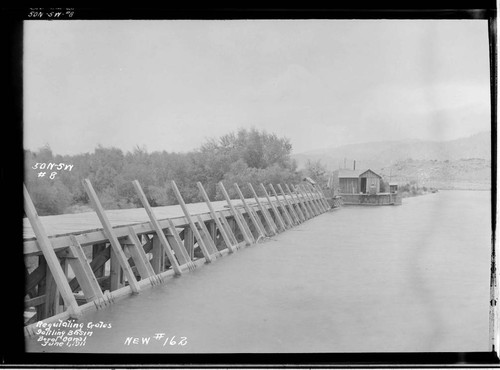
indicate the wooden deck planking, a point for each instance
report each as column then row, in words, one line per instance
column 78, row 223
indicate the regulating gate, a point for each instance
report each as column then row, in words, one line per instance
column 88, row 269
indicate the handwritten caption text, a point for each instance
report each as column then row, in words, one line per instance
column 49, row 167
column 161, row 337
column 67, row 333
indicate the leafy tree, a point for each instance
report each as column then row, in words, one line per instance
column 245, row 156
column 316, row 171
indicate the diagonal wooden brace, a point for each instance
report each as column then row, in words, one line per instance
column 273, row 228
column 178, row 245
column 156, row 225
column 285, row 211
column 139, row 256
column 50, row 256
column 301, row 206
column 108, row 230
column 275, row 210
column 248, row 237
column 290, row 206
column 205, row 234
column 227, row 227
column 83, row 272
column 201, row 243
column 258, row 226
column 225, row 235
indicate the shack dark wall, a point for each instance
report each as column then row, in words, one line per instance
column 349, row 185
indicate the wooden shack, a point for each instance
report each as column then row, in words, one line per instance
column 363, row 188
column 393, row 187
column 348, row 181
column 358, row 182
column 369, row 182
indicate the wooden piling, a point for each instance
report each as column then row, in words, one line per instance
column 301, row 207
column 275, row 210
column 115, row 272
column 227, row 228
column 218, row 222
column 311, row 204
column 248, row 238
column 48, row 252
column 139, row 256
column 285, row 211
column 246, row 225
column 51, row 295
column 312, row 199
column 205, row 234
column 260, row 229
column 157, row 251
column 96, row 250
column 197, row 235
column 156, row 225
column 273, row 228
column 189, row 242
column 322, row 198
column 304, row 201
column 295, row 215
column 259, row 221
column 317, row 197
column 83, row 272
column 179, row 245
column 115, row 244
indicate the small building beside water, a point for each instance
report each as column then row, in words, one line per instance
column 364, row 187
column 393, row 187
column 355, row 181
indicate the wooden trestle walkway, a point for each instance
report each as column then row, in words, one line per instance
column 145, row 246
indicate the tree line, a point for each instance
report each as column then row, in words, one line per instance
column 245, row 156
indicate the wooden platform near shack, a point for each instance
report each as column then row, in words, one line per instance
column 380, row 199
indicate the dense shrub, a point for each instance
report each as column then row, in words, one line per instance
column 247, row 156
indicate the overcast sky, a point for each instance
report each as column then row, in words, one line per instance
column 170, row 85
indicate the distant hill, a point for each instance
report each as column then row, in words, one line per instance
column 464, row 174
column 378, row 155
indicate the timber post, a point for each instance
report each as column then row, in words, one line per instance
column 275, row 210
column 290, row 206
column 244, row 230
column 270, row 222
column 115, row 244
column 285, row 211
column 222, row 230
column 301, row 207
column 256, row 221
column 194, row 229
column 50, row 257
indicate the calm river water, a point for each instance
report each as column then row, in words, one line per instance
column 358, row 279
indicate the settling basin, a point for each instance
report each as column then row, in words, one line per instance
column 358, row 279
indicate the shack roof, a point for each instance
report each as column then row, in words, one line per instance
column 393, row 184
column 349, row 174
column 376, row 174
column 353, row 174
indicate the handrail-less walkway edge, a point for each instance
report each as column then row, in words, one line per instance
column 142, row 255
